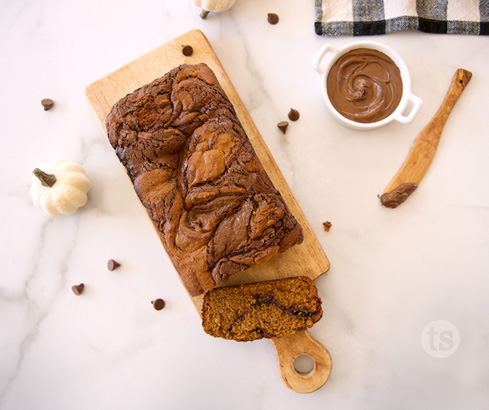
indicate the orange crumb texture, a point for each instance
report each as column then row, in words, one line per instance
column 275, row 308
column 327, row 226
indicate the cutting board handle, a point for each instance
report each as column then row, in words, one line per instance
column 290, row 348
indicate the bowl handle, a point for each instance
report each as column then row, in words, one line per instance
column 327, row 48
column 416, row 103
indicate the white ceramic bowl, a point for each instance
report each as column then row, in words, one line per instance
column 328, row 55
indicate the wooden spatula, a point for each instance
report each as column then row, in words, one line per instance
column 424, row 147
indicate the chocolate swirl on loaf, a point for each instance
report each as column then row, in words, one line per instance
column 195, row 171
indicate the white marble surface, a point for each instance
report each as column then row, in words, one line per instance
column 392, row 271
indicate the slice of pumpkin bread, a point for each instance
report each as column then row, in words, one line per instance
column 275, row 308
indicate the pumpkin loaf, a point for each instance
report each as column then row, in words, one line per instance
column 275, row 308
column 194, row 169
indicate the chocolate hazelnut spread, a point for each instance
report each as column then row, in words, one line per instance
column 364, row 85
column 398, row 195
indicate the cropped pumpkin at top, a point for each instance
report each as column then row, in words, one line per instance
column 213, row 5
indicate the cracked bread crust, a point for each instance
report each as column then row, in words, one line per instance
column 276, row 308
column 195, row 171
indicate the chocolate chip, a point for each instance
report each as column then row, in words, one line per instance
column 327, row 226
column 78, row 289
column 187, row 50
column 47, row 103
column 283, row 126
column 158, row 304
column 293, row 115
column 272, row 18
column 112, row 264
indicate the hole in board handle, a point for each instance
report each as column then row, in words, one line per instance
column 304, row 364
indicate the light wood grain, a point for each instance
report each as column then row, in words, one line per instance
column 291, row 347
column 424, row 146
column 308, row 258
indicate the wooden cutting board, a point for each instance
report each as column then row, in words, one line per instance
column 306, row 259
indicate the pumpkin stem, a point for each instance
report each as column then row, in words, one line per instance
column 204, row 13
column 46, row 179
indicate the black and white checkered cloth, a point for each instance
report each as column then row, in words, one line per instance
column 369, row 17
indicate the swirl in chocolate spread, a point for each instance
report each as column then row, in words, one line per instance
column 364, row 85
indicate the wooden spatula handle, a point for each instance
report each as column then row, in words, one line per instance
column 291, row 347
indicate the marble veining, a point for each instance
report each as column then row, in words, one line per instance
column 393, row 273
column 40, row 288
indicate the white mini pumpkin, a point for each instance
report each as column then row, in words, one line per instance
column 59, row 187
column 213, row 5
